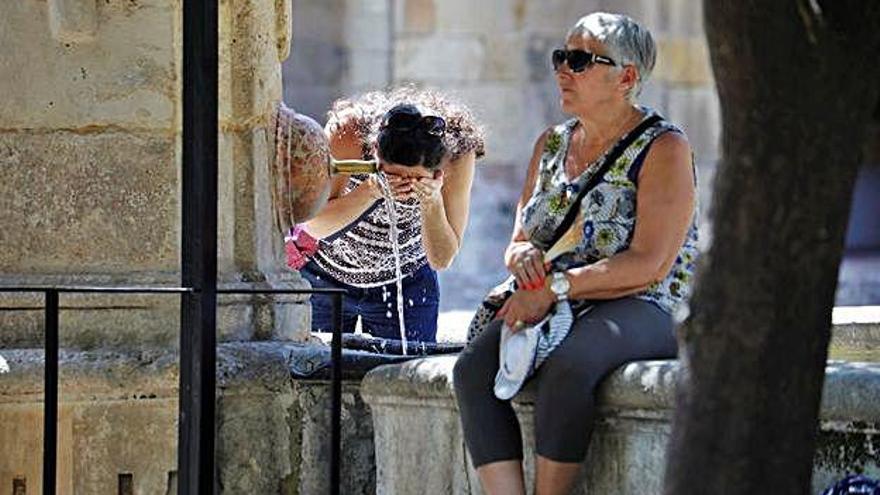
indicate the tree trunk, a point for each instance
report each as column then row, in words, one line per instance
column 798, row 81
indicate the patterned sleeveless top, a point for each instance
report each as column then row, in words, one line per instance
column 608, row 210
column 361, row 254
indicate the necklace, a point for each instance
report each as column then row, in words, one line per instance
column 579, row 160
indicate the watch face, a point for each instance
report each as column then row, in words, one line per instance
column 560, row 285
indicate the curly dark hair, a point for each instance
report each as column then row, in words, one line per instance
column 363, row 113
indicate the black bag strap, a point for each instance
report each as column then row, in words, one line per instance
column 594, row 179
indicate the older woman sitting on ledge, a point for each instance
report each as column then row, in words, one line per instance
column 626, row 177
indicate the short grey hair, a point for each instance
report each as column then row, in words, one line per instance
column 627, row 41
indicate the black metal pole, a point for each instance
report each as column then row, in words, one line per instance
column 50, row 389
column 336, row 399
column 198, row 354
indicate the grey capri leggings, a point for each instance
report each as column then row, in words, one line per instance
column 611, row 334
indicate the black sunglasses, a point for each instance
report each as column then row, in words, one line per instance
column 577, row 60
column 405, row 121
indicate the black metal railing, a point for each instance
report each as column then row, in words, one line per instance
column 206, row 477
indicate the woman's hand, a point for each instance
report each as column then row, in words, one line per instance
column 429, row 189
column 525, row 308
column 526, row 263
column 369, row 188
column 401, row 187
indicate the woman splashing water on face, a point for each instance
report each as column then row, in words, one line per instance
column 603, row 248
column 427, row 146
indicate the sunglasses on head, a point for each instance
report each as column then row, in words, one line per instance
column 403, row 121
column 577, row 60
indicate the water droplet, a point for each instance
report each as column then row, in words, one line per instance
column 411, row 303
column 388, row 314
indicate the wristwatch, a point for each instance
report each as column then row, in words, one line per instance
column 560, row 286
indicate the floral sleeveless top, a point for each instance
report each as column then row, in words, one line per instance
column 608, row 210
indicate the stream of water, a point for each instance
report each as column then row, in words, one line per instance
column 391, row 207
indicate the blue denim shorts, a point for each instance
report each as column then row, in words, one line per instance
column 377, row 306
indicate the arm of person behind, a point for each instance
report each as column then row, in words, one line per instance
column 341, row 208
column 445, row 216
column 665, row 206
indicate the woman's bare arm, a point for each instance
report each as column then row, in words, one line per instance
column 444, row 219
column 342, row 209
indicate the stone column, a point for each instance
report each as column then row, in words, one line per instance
column 90, row 126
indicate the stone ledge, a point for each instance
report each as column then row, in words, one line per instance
column 242, row 368
column 413, row 404
column 641, row 389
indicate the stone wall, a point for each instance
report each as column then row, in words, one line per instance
column 90, row 166
column 118, row 424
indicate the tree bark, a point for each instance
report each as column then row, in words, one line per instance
column 798, row 81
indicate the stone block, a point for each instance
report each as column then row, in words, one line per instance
column 514, row 118
column 325, row 20
column 76, row 202
column 683, row 18
column 418, row 59
column 464, row 16
column 84, row 208
column 683, row 62
column 538, row 51
column 367, row 24
column 73, row 21
column 648, row 13
column 698, row 112
column 316, row 61
column 92, row 321
column 254, row 440
column 145, row 448
column 419, row 16
column 21, row 435
column 654, row 95
column 404, row 421
column 249, row 61
column 313, row 101
column 310, row 421
column 507, row 57
column 555, row 17
column 140, row 321
column 124, row 75
column 368, row 70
